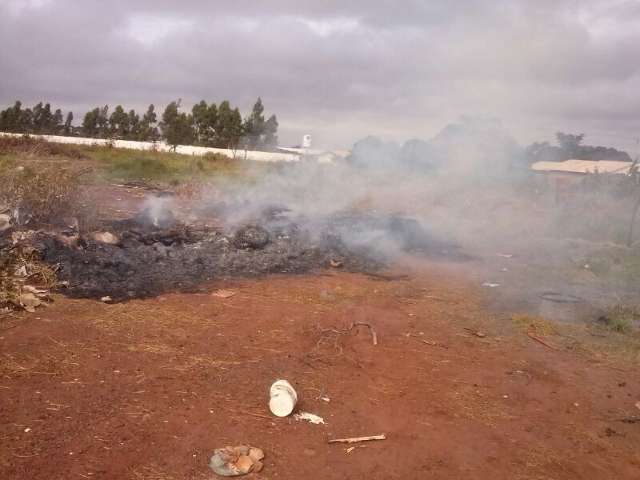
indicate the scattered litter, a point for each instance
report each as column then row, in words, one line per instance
column 223, row 293
column 350, row 449
column 283, row 398
column 335, row 263
column 324, row 398
column 309, row 417
column 27, row 430
column 234, row 461
column 638, row 405
column 359, row 439
column 490, row 284
column 106, row 299
column 504, row 255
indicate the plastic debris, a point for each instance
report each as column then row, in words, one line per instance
column 283, row 398
column 309, row 417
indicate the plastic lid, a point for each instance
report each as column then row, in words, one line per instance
column 281, row 405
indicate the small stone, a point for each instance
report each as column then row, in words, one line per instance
column 106, row 237
column 244, row 464
column 256, row 454
column 241, row 450
column 257, row 467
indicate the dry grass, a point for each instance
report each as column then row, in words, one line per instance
column 534, row 324
column 40, row 192
column 20, row 266
column 37, row 148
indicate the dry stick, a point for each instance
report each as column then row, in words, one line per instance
column 359, row 439
column 541, row 341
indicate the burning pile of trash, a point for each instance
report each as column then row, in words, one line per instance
column 153, row 252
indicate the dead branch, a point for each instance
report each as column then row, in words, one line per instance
column 358, row 439
column 540, row 341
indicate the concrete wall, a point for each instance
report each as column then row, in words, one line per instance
column 163, row 147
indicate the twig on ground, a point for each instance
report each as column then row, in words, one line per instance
column 359, row 439
column 540, row 341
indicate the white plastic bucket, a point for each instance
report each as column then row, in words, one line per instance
column 283, row 398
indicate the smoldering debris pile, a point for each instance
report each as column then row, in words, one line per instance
column 150, row 254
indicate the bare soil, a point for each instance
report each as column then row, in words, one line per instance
column 147, row 389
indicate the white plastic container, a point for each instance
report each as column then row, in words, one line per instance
column 283, row 398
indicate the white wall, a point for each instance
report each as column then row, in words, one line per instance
column 163, row 147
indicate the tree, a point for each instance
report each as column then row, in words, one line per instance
column 148, row 130
column 177, row 127
column 14, row 119
column 569, row 143
column 201, row 125
column 56, row 122
column 103, row 121
column 133, row 120
column 228, row 126
column 254, row 125
column 67, row 124
column 90, row 127
column 271, row 133
column 118, row 123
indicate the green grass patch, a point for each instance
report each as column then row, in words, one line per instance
column 621, row 318
column 129, row 165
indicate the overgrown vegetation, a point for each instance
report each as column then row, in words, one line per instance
column 38, row 191
column 621, row 318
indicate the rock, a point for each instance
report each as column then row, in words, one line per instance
column 29, row 301
column 106, row 237
column 222, row 462
column 241, row 450
column 234, row 461
column 256, row 454
column 244, row 464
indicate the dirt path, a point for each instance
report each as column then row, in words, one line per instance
column 147, row 389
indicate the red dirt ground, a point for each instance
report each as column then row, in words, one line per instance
column 148, row 389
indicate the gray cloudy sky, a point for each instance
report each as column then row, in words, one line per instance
column 336, row 69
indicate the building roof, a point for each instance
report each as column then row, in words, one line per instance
column 584, row 166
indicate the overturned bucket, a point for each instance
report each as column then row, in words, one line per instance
column 283, row 398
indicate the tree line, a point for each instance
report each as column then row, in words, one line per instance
column 570, row 147
column 208, row 125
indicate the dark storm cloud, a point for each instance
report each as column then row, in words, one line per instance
column 338, row 69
